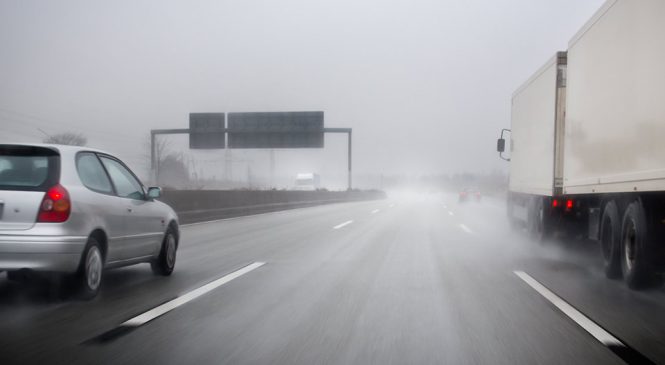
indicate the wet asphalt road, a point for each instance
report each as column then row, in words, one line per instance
column 423, row 280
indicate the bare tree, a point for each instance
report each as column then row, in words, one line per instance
column 161, row 150
column 68, row 138
column 173, row 171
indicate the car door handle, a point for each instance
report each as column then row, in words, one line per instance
column 129, row 210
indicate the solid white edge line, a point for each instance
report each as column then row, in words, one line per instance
column 583, row 321
column 342, row 224
column 375, row 211
column 177, row 302
column 465, row 228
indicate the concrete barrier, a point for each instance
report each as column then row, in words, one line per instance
column 201, row 205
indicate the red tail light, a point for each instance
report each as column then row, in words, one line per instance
column 569, row 204
column 555, row 203
column 56, row 206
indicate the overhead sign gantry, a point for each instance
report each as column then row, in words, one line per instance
column 259, row 130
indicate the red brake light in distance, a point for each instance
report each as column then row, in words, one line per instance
column 569, row 204
column 555, row 203
column 55, row 206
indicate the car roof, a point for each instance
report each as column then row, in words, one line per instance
column 63, row 149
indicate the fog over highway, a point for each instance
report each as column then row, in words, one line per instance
column 416, row 279
column 441, row 73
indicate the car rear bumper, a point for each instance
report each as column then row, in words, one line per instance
column 41, row 253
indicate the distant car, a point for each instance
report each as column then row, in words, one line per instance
column 78, row 211
column 469, row 194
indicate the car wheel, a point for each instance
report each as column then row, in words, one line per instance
column 635, row 265
column 89, row 276
column 165, row 262
column 610, row 240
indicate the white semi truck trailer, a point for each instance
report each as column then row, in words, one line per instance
column 587, row 141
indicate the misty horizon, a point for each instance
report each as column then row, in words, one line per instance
column 426, row 87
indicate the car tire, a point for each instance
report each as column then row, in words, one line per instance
column 610, row 240
column 635, row 265
column 165, row 262
column 88, row 278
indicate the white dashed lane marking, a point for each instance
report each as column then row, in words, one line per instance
column 136, row 322
column 465, row 228
column 342, row 224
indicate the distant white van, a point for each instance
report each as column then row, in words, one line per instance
column 307, row 181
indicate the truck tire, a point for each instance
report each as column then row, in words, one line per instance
column 538, row 221
column 610, row 240
column 512, row 221
column 635, row 265
column 19, row 276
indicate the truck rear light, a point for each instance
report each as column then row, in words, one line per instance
column 56, row 206
column 569, row 204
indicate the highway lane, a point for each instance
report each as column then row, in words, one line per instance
column 427, row 280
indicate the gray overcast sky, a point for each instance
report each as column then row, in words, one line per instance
column 425, row 85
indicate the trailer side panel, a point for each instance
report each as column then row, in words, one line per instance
column 615, row 112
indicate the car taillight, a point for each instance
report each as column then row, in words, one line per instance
column 56, row 206
column 569, row 204
column 555, row 203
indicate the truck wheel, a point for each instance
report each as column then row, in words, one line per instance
column 539, row 225
column 19, row 276
column 512, row 222
column 637, row 271
column 610, row 240
column 165, row 262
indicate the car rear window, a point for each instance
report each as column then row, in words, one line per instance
column 28, row 168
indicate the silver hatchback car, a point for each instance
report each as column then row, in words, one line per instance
column 76, row 210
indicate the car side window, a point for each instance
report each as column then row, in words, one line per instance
column 126, row 185
column 92, row 173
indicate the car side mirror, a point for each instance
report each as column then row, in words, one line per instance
column 154, row 192
column 500, row 145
